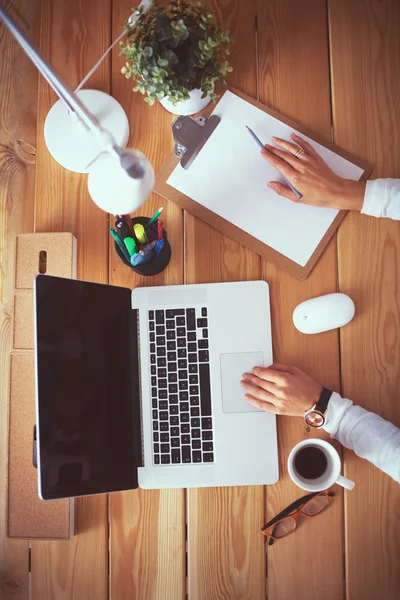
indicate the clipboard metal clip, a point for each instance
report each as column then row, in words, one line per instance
column 190, row 135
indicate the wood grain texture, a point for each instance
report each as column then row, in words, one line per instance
column 294, row 79
column 366, row 119
column 18, row 101
column 73, row 36
column 147, row 527
column 226, row 557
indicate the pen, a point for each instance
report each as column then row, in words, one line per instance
column 259, row 142
column 144, row 255
column 128, row 221
column 123, row 231
column 122, row 228
column 130, row 246
column 159, row 246
column 140, row 234
column 160, row 229
column 120, row 244
column 154, row 217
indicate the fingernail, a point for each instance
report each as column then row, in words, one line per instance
column 271, row 185
column 245, row 375
column 274, row 138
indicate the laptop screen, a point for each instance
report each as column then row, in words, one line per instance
column 89, row 432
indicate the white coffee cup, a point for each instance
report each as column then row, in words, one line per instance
column 329, row 477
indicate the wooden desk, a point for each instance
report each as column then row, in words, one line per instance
column 334, row 67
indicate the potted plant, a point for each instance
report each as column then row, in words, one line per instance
column 176, row 54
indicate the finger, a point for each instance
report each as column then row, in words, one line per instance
column 292, row 148
column 267, row 406
column 281, row 165
column 283, row 368
column 283, row 190
column 258, row 382
column 269, row 374
column 286, row 156
column 258, row 392
column 305, row 145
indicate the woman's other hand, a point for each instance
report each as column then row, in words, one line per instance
column 311, row 176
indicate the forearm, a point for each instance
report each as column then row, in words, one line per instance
column 382, row 198
column 370, row 436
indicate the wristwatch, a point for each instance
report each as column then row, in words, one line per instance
column 315, row 416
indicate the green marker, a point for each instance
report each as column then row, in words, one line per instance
column 154, row 217
column 130, row 246
column 120, row 244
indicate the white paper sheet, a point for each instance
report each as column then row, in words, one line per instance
column 230, row 177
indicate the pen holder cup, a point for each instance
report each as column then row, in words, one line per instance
column 156, row 265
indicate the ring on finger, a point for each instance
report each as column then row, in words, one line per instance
column 299, row 153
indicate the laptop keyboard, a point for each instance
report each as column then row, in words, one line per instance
column 180, row 386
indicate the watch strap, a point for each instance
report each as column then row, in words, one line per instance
column 323, row 400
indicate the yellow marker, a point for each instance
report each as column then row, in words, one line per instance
column 140, row 234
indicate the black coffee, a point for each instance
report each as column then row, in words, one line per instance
column 310, row 462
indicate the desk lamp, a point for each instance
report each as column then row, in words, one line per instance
column 119, row 180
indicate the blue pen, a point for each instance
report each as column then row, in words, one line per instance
column 259, row 142
column 144, row 255
column 159, row 246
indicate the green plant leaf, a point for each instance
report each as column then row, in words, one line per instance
column 148, row 52
column 172, row 49
column 163, row 62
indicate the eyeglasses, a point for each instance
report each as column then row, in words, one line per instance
column 285, row 523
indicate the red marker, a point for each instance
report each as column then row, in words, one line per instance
column 160, row 229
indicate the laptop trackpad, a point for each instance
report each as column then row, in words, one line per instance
column 232, row 368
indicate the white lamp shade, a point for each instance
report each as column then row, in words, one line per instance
column 113, row 190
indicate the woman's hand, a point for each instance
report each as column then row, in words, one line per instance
column 311, row 176
column 281, row 389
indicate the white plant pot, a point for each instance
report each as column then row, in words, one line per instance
column 190, row 106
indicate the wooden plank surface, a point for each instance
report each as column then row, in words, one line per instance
column 294, row 79
column 74, row 35
column 225, row 546
column 226, row 556
column 147, row 527
column 18, row 102
column 366, row 119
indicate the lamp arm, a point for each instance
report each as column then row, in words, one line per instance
column 70, row 99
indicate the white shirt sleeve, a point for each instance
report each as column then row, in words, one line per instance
column 382, row 198
column 366, row 433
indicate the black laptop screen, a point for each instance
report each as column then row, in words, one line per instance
column 87, row 374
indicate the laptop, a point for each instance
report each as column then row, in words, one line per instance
column 142, row 388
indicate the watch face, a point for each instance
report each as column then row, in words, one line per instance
column 315, row 418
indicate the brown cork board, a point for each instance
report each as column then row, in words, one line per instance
column 28, row 516
column 241, row 236
column 60, row 249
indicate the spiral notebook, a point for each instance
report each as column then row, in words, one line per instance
column 226, row 186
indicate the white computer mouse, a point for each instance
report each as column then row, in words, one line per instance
column 323, row 313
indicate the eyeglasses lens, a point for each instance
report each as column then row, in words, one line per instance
column 315, row 505
column 282, row 528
